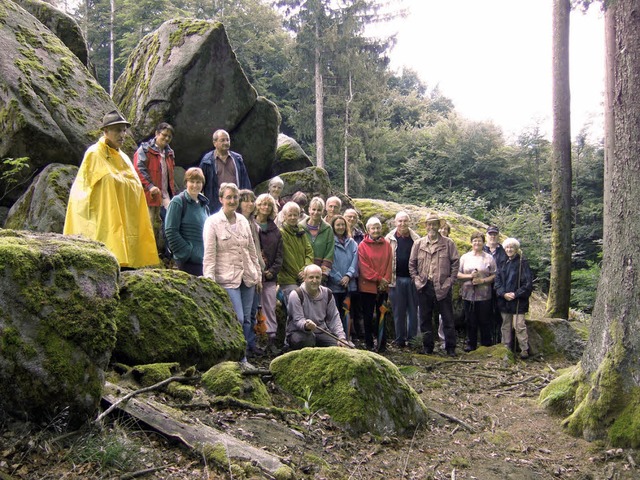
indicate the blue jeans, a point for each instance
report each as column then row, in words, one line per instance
column 242, row 301
column 404, row 302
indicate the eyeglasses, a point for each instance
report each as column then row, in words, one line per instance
column 231, row 197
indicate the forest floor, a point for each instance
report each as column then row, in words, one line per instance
column 491, row 427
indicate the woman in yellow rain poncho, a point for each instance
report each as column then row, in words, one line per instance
column 107, row 201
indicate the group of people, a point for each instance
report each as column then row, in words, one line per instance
column 327, row 271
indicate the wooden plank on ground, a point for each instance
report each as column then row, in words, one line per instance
column 175, row 424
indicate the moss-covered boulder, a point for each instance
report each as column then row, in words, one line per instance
column 147, row 375
column 361, row 390
column 50, row 105
column 42, row 208
column 61, row 24
column 556, row 336
column 289, row 156
column 57, row 328
column 313, row 181
column 226, row 379
column 171, row 316
column 186, row 73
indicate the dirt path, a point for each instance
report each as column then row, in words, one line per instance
column 492, row 428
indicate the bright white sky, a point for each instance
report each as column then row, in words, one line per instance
column 493, row 59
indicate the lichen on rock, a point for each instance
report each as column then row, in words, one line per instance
column 171, row 316
column 42, row 208
column 361, row 390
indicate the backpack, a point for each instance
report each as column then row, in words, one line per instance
column 298, row 291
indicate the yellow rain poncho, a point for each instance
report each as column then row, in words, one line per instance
column 107, row 204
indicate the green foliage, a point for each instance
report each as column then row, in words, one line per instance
column 529, row 223
column 113, row 450
column 13, row 173
column 584, row 283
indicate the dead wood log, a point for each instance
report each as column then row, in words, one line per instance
column 173, row 424
column 155, row 386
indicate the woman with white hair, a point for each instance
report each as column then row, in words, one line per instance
column 276, row 184
column 374, row 267
column 514, row 284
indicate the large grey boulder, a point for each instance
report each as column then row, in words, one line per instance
column 361, row 390
column 553, row 336
column 42, row 208
column 171, row 316
column 50, row 105
column 57, row 329
column 289, row 156
column 61, row 24
column 186, row 73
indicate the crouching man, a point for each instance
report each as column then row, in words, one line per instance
column 313, row 320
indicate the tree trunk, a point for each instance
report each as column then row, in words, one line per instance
column 560, row 281
column 319, row 104
column 346, row 138
column 608, row 397
column 111, row 45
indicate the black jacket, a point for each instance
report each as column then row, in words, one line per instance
column 507, row 281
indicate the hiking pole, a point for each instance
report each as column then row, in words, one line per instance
column 336, row 338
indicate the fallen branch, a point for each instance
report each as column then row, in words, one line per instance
column 448, row 362
column 140, row 473
column 143, row 390
column 462, row 423
column 510, row 384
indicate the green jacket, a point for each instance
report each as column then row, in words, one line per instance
column 323, row 245
column 297, row 254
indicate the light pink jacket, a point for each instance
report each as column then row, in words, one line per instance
column 229, row 252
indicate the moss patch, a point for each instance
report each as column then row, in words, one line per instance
column 625, row 431
column 58, row 295
column 602, row 397
column 559, row 396
column 151, row 374
column 361, row 390
column 171, row 316
column 226, row 379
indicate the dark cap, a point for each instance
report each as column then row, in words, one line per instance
column 493, row 229
column 113, row 118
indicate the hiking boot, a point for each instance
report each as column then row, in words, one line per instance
column 451, row 352
column 427, row 351
column 524, row 354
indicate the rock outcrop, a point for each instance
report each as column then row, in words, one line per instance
column 42, row 208
column 51, row 107
column 171, row 316
column 289, row 156
column 361, row 390
column 186, row 73
column 61, row 24
column 57, row 329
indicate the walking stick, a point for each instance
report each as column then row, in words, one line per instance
column 335, row 337
column 346, row 307
column 513, row 321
